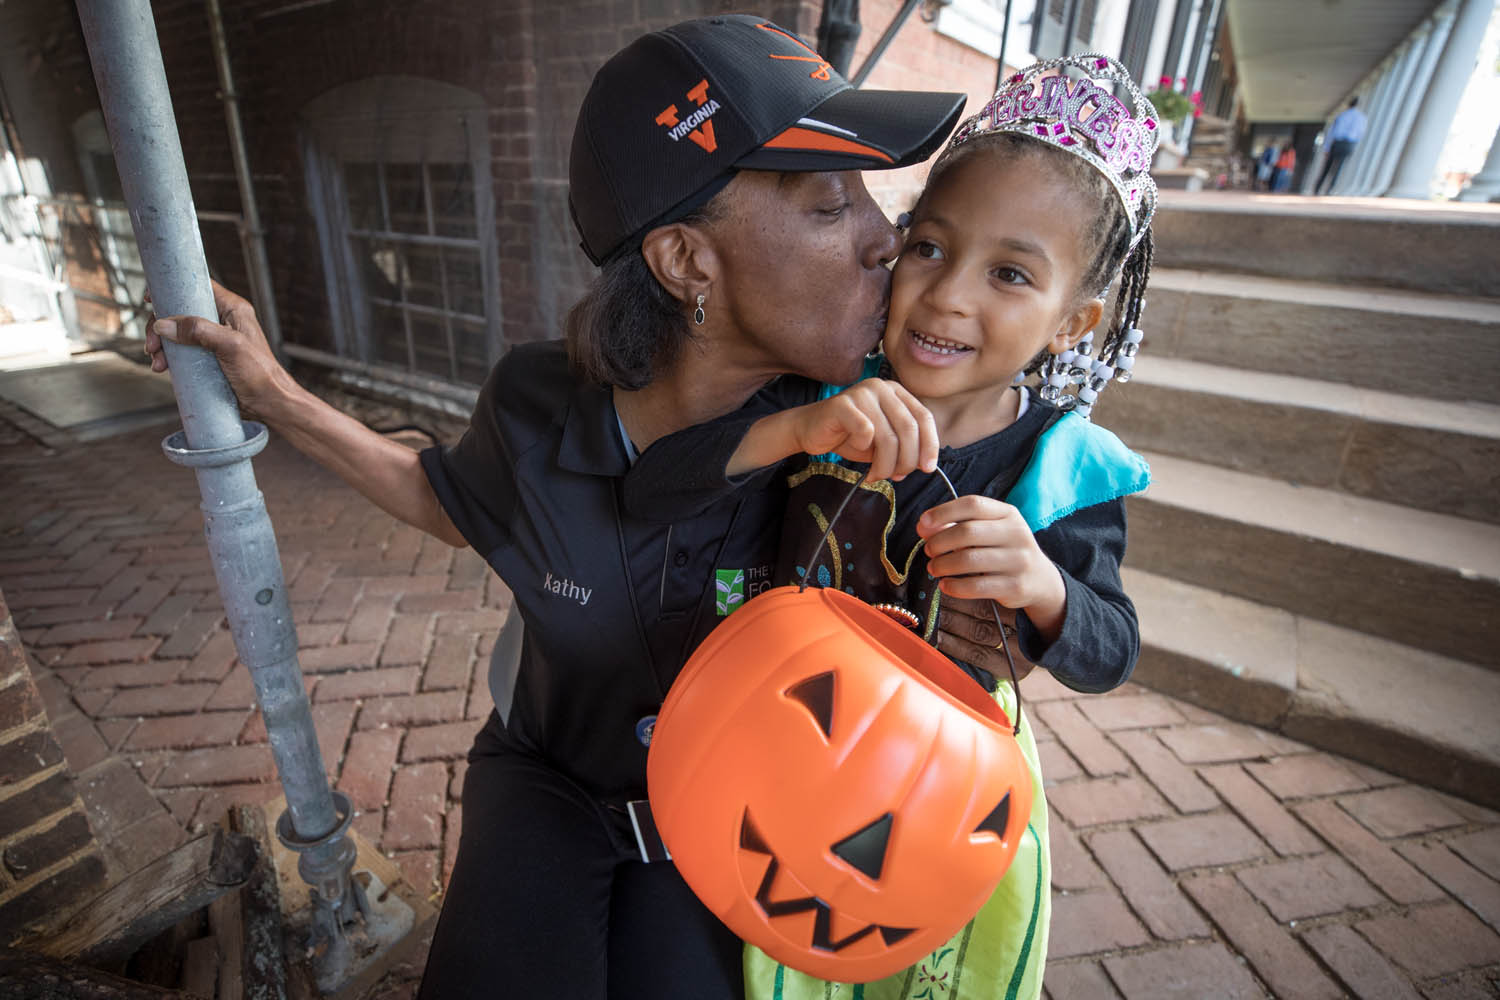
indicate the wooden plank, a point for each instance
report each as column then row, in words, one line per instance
column 263, row 967
column 200, row 967
column 296, row 901
column 159, row 961
column 41, row 977
column 229, row 938
column 143, row 904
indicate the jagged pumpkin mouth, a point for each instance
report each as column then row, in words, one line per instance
column 863, row 847
column 865, row 851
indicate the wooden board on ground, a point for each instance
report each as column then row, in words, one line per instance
column 146, row 902
column 39, row 977
column 251, row 938
column 294, row 900
column 229, row 944
column 200, row 967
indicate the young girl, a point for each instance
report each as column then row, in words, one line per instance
column 1037, row 205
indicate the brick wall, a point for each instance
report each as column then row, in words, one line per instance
column 48, row 858
column 919, row 58
column 529, row 60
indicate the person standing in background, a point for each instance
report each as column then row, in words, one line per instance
column 1286, row 165
column 1347, row 129
column 1264, row 164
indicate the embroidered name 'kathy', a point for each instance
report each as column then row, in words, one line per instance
column 567, row 588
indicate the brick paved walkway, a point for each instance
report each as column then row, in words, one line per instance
column 1194, row 857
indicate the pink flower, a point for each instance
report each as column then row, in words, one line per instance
column 1182, row 81
column 1165, row 81
column 1196, row 97
column 1197, row 112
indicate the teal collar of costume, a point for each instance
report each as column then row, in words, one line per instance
column 1076, row 464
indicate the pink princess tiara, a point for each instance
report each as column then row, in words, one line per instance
column 1076, row 114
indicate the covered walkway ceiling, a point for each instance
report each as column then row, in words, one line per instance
column 1297, row 59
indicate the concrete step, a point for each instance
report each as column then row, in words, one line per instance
column 1184, row 178
column 1431, row 455
column 1438, row 346
column 1448, row 248
column 1410, row 576
column 1405, row 710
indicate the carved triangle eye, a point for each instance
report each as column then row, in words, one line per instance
column 865, row 850
column 750, row 838
column 890, row 935
column 816, row 695
column 996, row 821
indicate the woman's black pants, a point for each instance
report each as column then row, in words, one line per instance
column 549, row 898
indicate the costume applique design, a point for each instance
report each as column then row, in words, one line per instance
column 860, row 556
column 874, row 552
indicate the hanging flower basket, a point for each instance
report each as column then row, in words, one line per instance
column 1174, row 104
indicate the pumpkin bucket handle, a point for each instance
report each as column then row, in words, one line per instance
column 817, row 554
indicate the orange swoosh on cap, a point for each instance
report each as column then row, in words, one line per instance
column 806, row 138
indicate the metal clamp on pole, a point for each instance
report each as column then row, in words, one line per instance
column 175, row 447
column 338, row 936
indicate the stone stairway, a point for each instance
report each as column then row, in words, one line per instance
column 1320, row 551
column 1212, row 150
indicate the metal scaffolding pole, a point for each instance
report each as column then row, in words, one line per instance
column 891, row 30
column 252, row 233
column 218, row 446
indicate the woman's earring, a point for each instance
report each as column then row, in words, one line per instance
column 698, row 316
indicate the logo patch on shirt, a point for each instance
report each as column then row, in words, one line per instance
column 733, row 587
column 729, row 586
column 567, row 588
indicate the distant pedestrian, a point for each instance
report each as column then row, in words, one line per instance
column 1286, row 165
column 1347, row 129
column 1264, row 164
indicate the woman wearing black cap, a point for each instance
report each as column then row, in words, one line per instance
column 715, row 181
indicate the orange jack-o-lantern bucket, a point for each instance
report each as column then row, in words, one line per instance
column 837, row 791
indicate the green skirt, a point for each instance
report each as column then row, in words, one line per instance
column 999, row 954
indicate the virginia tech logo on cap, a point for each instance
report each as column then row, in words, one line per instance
column 698, row 125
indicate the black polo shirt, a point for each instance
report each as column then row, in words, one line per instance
column 612, row 604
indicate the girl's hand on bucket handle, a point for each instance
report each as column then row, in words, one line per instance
column 978, row 547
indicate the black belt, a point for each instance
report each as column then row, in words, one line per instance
column 647, row 839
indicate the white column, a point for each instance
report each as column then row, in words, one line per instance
column 1375, row 145
column 1485, row 185
column 1391, row 151
column 1210, row 11
column 1156, row 53
column 1440, row 103
column 1380, row 102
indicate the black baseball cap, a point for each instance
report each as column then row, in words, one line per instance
column 671, row 116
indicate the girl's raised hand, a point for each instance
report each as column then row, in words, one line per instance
column 983, row 548
column 876, row 421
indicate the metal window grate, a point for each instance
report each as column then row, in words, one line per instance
column 400, row 190
column 412, row 231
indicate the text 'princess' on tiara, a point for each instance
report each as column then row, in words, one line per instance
column 1076, row 114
